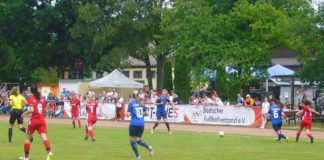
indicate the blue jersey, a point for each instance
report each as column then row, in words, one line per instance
column 137, row 113
column 276, row 114
column 161, row 108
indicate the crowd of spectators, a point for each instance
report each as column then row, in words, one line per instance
column 203, row 97
column 4, row 101
column 206, row 98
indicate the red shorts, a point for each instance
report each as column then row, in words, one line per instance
column 92, row 120
column 75, row 113
column 38, row 125
column 307, row 125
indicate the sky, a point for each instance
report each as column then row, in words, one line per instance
column 315, row 2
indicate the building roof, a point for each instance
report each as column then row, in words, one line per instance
column 286, row 61
column 283, row 53
column 134, row 62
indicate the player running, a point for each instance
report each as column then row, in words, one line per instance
column 75, row 103
column 276, row 118
column 17, row 101
column 160, row 110
column 137, row 111
column 92, row 118
column 306, row 122
column 37, row 106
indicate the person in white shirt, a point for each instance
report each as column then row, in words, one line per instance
column 92, row 93
column 265, row 110
column 219, row 102
column 208, row 101
column 154, row 97
column 118, row 105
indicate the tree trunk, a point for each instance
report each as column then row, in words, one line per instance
column 160, row 71
column 148, row 71
column 239, row 77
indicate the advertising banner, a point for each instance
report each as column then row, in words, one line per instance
column 189, row 114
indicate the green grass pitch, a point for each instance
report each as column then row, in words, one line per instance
column 113, row 144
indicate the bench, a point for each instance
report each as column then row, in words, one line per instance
column 291, row 115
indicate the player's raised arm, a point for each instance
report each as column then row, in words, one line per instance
column 299, row 112
column 312, row 110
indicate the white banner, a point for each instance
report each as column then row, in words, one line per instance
column 189, row 114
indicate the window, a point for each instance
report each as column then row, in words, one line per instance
column 153, row 74
column 99, row 74
column 126, row 73
column 138, row 74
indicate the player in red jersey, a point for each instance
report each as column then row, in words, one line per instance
column 306, row 115
column 92, row 117
column 75, row 103
column 37, row 106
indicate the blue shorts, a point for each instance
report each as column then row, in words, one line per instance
column 276, row 127
column 160, row 115
column 136, row 131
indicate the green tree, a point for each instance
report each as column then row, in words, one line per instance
column 168, row 80
column 115, row 30
column 35, row 34
column 240, row 37
column 42, row 75
column 182, row 78
column 313, row 68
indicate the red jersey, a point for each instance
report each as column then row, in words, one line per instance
column 307, row 114
column 92, row 108
column 39, row 106
column 75, row 103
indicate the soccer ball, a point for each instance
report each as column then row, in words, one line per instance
column 221, row 133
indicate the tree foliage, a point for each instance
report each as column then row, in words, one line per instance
column 182, row 78
column 313, row 69
column 168, row 80
column 240, row 37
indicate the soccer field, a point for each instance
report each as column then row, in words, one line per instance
column 113, row 144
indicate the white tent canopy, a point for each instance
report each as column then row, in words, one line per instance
column 279, row 70
column 116, row 79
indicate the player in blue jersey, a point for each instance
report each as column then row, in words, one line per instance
column 160, row 110
column 276, row 114
column 137, row 111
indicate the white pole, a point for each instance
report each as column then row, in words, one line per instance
column 267, row 85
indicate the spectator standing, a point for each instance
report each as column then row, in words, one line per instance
column 249, row 102
column 118, row 105
column 208, row 101
column 65, row 93
column 174, row 97
column 142, row 95
column 28, row 93
column 218, row 101
column 239, row 100
column 257, row 102
column 92, row 93
column 4, row 104
column 265, row 110
column 321, row 101
column 153, row 97
column 115, row 95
